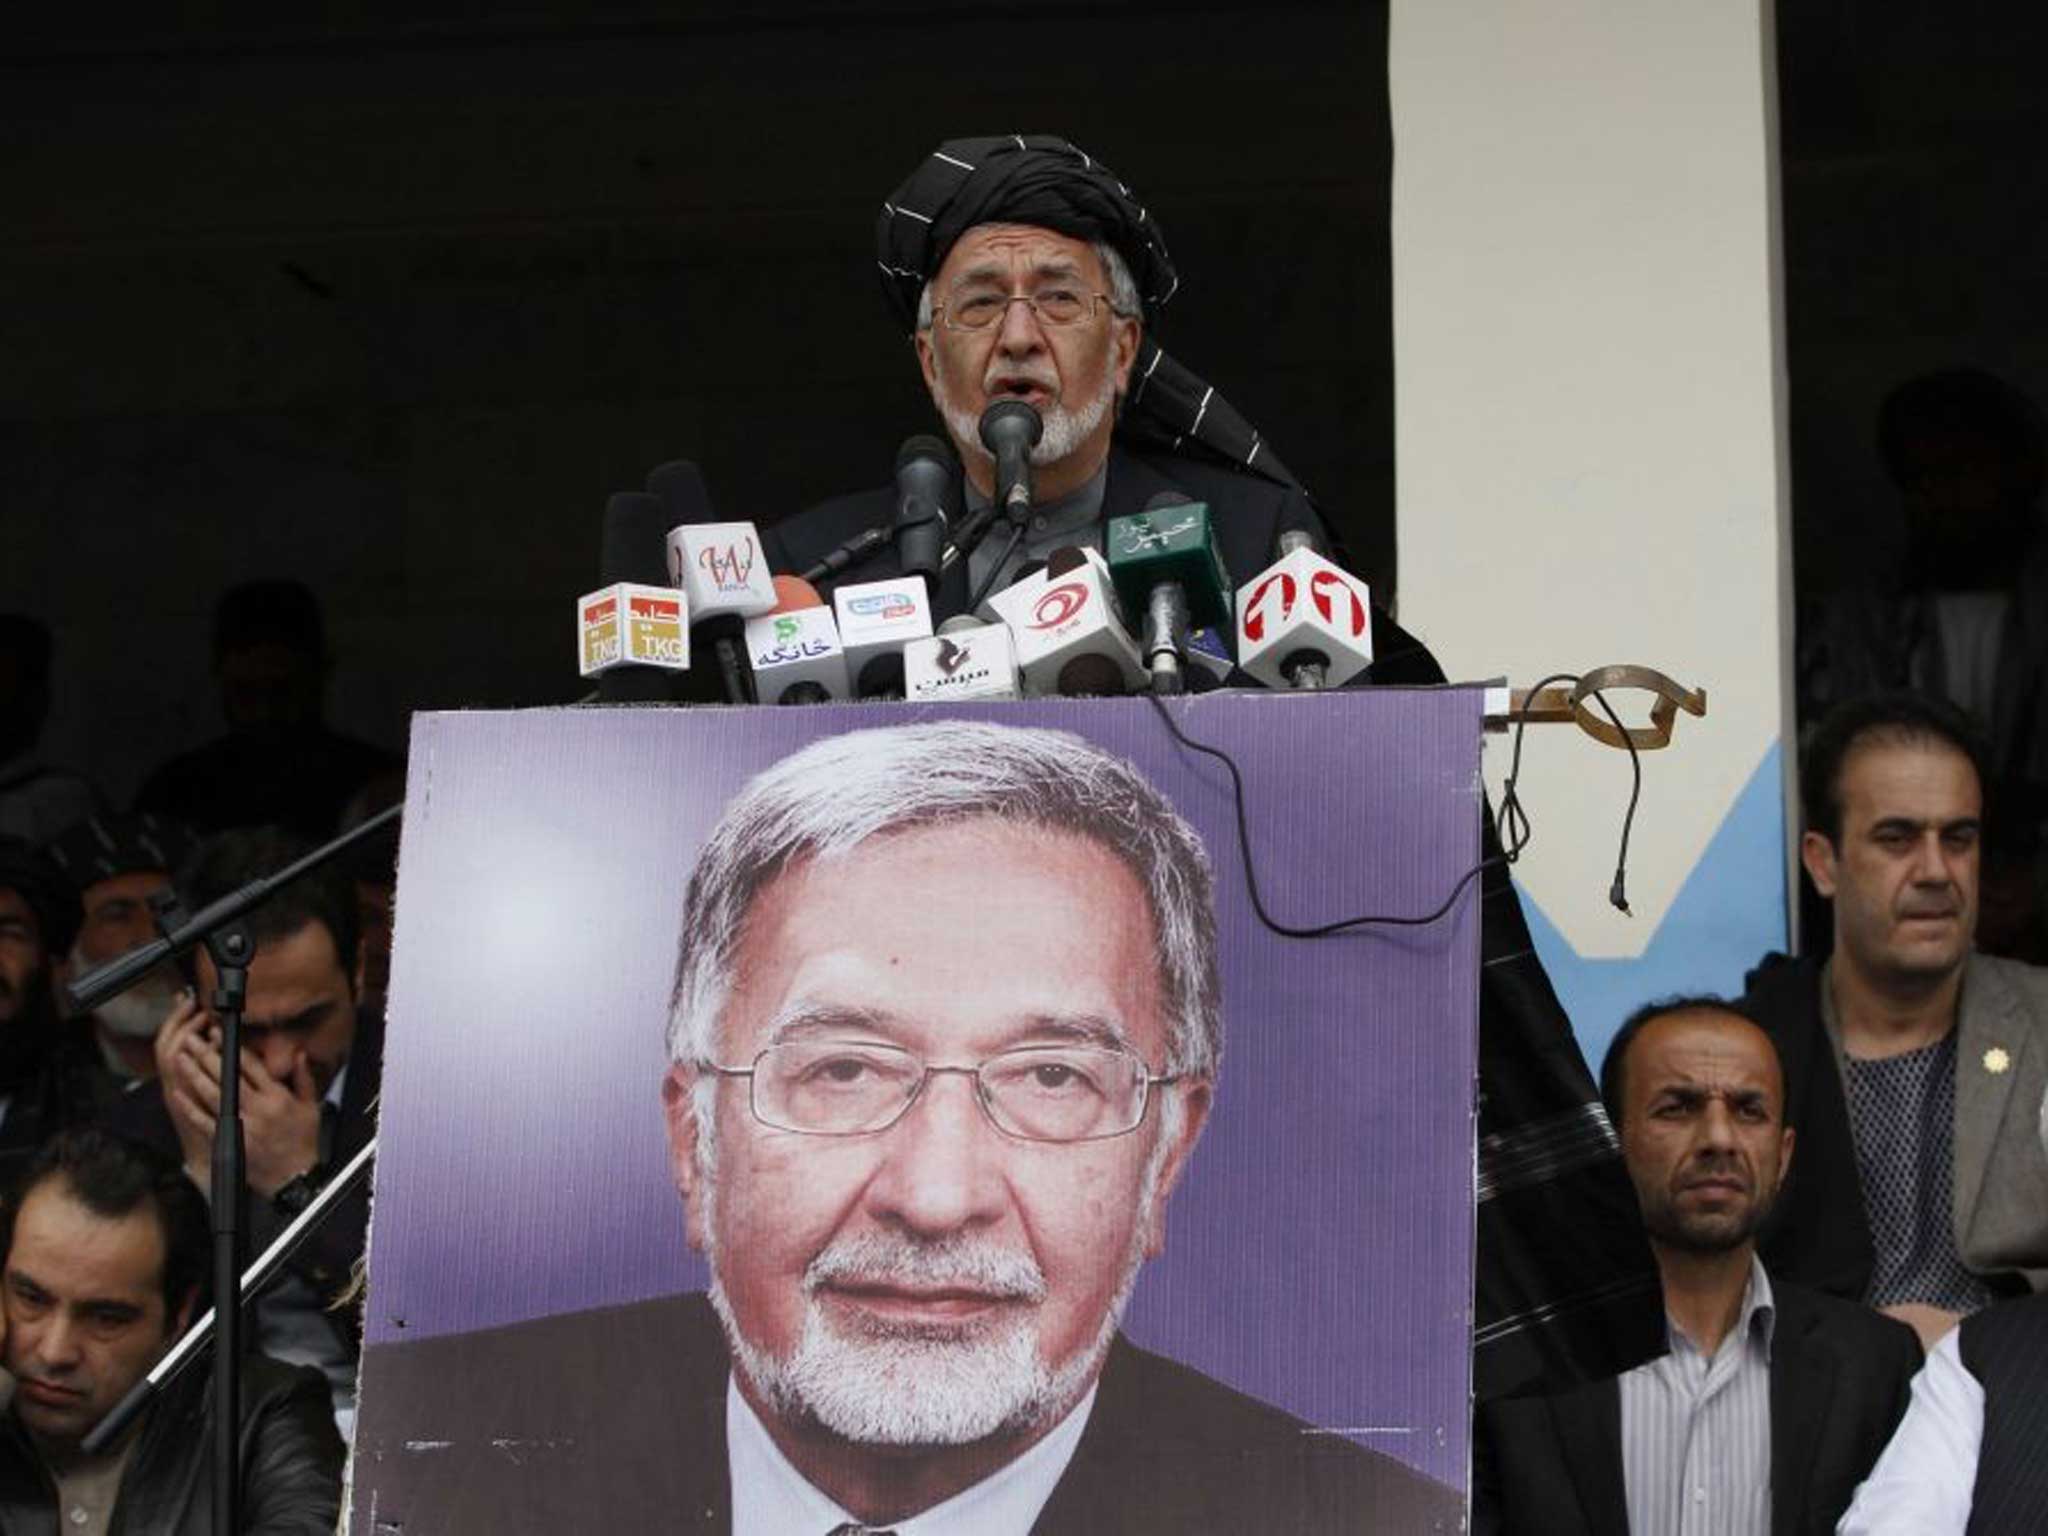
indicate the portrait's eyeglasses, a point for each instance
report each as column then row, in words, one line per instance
column 1034, row 1093
column 980, row 309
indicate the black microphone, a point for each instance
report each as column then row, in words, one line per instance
column 1010, row 429
column 853, row 552
column 635, row 549
column 927, row 501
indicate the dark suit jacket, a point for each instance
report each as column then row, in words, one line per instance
column 1248, row 513
column 1840, row 1378
column 614, row 1420
column 326, row 1258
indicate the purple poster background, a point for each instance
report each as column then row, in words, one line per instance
column 1320, row 1249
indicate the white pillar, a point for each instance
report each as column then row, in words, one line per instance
column 1590, row 447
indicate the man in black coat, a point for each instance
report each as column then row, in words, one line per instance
column 106, row 1248
column 1774, row 1401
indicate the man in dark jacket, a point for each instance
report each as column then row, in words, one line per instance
column 106, row 1248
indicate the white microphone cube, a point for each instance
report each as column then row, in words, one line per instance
column 787, row 649
column 630, row 625
column 721, row 569
column 1303, row 602
column 1058, row 618
column 879, row 616
column 978, row 663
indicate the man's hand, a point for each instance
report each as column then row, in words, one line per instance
column 280, row 1123
column 188, row 1064
column 1929, row 1322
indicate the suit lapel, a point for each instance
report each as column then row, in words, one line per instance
column 1589, row 1430
column 1802, row 1381
column 1988, row 1024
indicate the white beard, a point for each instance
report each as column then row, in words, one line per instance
column 1064, row 432
column 139, row 1012
column 924, row 1385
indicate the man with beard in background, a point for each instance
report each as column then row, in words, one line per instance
column 1774, row 1401
column 925, row 1168
column 46, row 1081
column 116, row 863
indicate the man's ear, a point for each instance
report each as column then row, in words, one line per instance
column 1195, row 1097
column 679, row 1109
column 921, row 341
column 1785, row 1141
column 1818, row 855
column 182, row 1317
column 1124, row 350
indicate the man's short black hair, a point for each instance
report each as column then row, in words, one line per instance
column 1614, row 1065
column 113, row 1178
column 1900, row 718
column 230, row 860
column 276, row 612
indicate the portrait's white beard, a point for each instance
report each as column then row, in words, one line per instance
column 930, row 1385
column 1065, row 430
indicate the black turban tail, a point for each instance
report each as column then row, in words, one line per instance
column 1042, row 180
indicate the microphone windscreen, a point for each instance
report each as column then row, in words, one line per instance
column 924, row 446
column 1161, row 500
column 1090, row 676
column 680, row 485
column 1063, row 561
column 635, row 545
column 793, row 593
column 959, row 622
column 882, row 674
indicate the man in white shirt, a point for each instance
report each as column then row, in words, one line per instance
column 1972, row 1452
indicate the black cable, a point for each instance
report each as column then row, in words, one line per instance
column 1512, row 822
column 1251, row 878
column 980, row 592
column 1618, row 892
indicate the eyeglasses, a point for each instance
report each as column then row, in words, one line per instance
column 979, row 311
column 1034, row 1093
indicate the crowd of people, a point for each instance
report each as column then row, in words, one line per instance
column 1842, row 1172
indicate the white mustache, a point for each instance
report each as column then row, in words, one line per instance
column 968, row 1263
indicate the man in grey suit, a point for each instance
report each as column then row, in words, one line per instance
column 1913, row 1065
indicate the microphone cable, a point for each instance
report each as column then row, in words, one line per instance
column 1512, row 824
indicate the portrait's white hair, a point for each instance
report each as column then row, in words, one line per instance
column 835, row 794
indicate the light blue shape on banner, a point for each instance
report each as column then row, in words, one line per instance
column 1729, row 913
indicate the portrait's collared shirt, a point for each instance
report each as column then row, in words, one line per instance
column 1696, row 1431
column 771, row 1498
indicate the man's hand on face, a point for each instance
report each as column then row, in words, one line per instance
column 280, row 1115
column 189, row 1066
column 280, row 1122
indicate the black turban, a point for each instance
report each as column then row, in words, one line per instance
column 1044, row 181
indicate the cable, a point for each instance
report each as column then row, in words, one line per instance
column 1512, row 822
column 1251, row 878
column 988, row 581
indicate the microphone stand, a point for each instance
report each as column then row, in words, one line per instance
column 219, row 927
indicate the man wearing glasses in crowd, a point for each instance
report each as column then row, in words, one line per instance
column 944, row 1033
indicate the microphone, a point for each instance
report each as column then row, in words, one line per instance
column 1166, row 565
column 1063, row 616
column 633, row 631
column 718, row 566
column 966, row 659
column 795, row 650
column 854, row 551
column 1304, row 622
column 927, row 501
column 1010, row 429
column 876, row 620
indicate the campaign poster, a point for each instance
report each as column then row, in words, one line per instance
column 888, row 1113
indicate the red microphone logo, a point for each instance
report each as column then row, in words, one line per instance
column 1058, row 605
column 1318, row 591
column 1255, row 610
column 731, row 567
